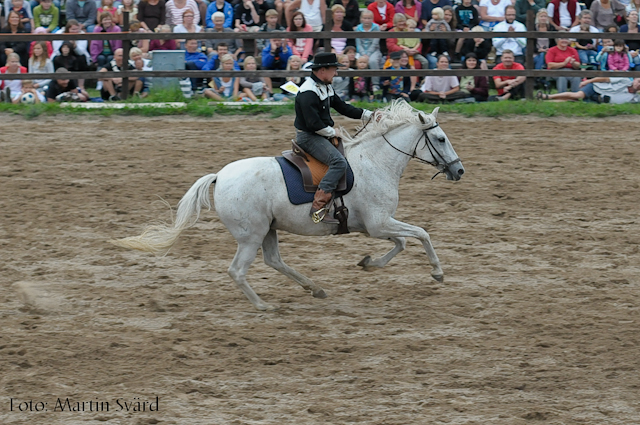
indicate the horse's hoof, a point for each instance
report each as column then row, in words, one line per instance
column 438, row 277
column 266, row 307
column 320, row 294
column 365, row 262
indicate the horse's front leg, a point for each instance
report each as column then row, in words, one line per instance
column 393, row 228
column 368, row 262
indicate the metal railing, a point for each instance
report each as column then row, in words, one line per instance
column 127, row 37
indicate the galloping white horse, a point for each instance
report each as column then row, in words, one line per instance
column 251, row 199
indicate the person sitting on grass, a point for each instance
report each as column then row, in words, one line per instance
column 62, row 85
column 12, row 88
column 254, row 87
column 476, row 87
column 27, row 87
column 141, row 87
column 112, row 87
column 601, row 90
column 394, row 87
column 224, row 88
column 441, row 89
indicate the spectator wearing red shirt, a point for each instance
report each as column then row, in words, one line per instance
column 509, row 87
column 563, row 56
column 383, row 13
column 12, row 89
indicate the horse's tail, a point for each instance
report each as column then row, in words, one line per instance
column 159, row 238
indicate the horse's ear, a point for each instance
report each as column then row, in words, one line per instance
column 435, row 113
column 421, row 118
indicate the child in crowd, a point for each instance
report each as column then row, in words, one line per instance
column 361, row 88
column 586, row 47
column 295, row 64
column 254, row 87
column 409, row 43
column 412, row 25
column 438, row 46
column 341, row 84
column 393, row 87
column 603, row 54
column 224, row 88
column 618, row 60
column 107, row 6
column 271, row 25
column 46, row 16
column 66, row 59
column 126, row 6
column 41, row 30
column 25, row 17
column 410, row 83
column 39, row 63
column 467, row 17
column 28, row 87
column 142, row 85
column 369, row 46
column 350, row 52
column 11, row 89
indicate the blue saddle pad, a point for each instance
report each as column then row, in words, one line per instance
column 295, row 189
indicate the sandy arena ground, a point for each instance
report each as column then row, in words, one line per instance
column 536, row 322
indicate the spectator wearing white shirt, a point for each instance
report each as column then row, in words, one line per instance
column 515, row 44
column 491, row 12
column 563, row 13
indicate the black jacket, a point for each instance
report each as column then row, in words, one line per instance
column 313, row 104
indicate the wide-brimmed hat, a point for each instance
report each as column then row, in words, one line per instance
column 323, row 60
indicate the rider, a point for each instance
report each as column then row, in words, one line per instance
column 314, row 128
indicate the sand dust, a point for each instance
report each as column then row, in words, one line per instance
column 536, row 322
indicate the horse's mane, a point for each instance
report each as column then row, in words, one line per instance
column 397, row 113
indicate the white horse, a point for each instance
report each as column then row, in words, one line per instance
column 251, row 199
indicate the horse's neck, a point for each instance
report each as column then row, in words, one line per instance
column 389, row 153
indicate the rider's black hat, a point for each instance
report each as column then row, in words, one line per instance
column 323, row 60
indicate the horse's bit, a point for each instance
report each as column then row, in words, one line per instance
column 437, row 157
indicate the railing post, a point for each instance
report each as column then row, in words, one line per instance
column 126, row 46
column 328, row 25
column 528, row 61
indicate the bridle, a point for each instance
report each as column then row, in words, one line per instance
column 438, row 159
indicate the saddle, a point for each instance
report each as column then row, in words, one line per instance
column 311, row 169
column 312, row 172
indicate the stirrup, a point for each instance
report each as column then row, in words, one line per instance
column 321, row 216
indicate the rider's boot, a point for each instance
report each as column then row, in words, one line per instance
column 320, row 208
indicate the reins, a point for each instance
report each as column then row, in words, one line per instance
column 432, row 150
column 365, row 125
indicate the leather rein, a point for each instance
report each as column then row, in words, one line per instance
column 437, row 157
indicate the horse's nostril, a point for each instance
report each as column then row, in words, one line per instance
column 461, row 171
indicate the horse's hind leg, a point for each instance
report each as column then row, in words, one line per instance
column 238, row 269
column 368, row 262
column 272, row 258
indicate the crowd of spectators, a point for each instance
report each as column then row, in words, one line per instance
column 560, row 18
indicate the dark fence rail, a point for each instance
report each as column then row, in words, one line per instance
column 530, row 73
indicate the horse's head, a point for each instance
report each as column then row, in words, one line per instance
column 437, row 149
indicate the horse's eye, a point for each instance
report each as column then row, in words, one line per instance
column 441, row 140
